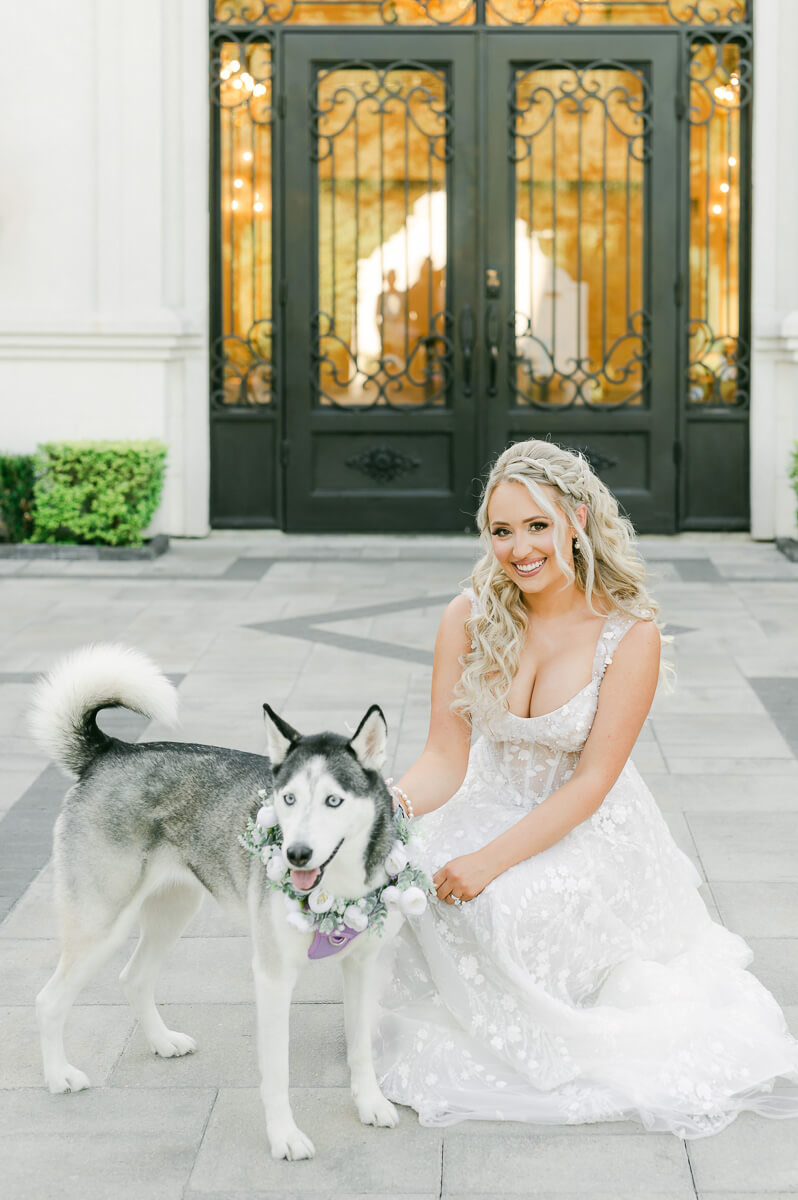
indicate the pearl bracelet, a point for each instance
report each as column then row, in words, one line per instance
column 401, row 796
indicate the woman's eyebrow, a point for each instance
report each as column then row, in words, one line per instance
column 537, row 517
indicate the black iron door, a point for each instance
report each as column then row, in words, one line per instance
column 581, row 255
column 380, row 213
column 481, row 245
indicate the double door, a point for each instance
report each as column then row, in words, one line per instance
column 480, row 246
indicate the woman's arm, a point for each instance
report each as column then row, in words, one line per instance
column 437, row 774
column 624, row 701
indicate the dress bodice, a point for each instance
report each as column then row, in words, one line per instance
column 535, row 755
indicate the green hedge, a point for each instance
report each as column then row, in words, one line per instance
column 90, row 492
column 16, row 497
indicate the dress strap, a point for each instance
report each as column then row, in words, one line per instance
column 615, row 626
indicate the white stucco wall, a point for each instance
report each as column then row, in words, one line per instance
column 104, row 240
column 104, row 233
column 774, row 365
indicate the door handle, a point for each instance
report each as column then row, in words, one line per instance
column 467, row 333
column 493, row 338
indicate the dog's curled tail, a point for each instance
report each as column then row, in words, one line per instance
column 66, row 701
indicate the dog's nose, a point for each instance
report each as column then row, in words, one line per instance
column 298, row 854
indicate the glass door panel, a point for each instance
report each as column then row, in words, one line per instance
column 588, row 260
column 382, row 227
column 581, row 144
column 380, row 202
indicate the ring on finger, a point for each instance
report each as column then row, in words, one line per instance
column 457, row 899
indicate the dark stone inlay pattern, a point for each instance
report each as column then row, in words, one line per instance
column 697, row 570
column 780, row 697
column 306, row 629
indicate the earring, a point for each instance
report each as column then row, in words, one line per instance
column 574, row 546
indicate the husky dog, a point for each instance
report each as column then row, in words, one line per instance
column 148, row 828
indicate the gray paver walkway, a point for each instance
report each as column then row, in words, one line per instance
column 321, row 627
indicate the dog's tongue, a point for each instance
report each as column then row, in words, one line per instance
column 303, row 880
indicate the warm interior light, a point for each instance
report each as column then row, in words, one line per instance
column 717, row 209
column 724, row 187
column 234, row 205
column 258, row 89
column 238, row 183
column 258, row 206
column 247, row 156
column 732, row 161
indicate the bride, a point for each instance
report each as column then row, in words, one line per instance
column 569, row 971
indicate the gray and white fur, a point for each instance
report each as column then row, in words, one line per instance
column 147, row 829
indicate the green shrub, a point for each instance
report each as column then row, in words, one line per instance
column 16, row 497
column 90, row 492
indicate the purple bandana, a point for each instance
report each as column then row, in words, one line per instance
column 325, row 944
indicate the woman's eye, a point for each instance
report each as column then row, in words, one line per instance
column 289, row 799
column 334, row 801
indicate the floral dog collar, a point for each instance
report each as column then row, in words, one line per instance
column 336, row 921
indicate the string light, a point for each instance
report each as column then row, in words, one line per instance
column 717, row 209
column 724, row 187
column 259, row 89
column 238, row 183
column 732, row 161
column 234, row 205
column 258, row 206
column 247, row 156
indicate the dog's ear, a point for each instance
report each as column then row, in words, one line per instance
column 280, row 736
column 368, row 740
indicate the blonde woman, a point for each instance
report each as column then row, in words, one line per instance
column 569, row 970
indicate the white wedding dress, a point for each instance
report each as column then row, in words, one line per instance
column 586, row 983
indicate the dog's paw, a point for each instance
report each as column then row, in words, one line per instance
column 376, row 1110
column 291, row 1144
column 172, row 1045
column 70, row 1079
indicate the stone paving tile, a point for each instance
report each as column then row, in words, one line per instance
column 96, row 1037
column 226, row 1055
column 750, row 1154
column 100, row 1143
column 758, row 909
column 508, row 1159
column 762, row 846
column 350, row 1157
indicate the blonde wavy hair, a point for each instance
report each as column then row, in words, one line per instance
column 606, row 566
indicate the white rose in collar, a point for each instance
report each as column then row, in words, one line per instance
column 390, row 896
column 396, row 860
column 275, row 868
column 412, row 901
column 355, row 918
column 320, row 900
column 267, row 817
column 300, row 921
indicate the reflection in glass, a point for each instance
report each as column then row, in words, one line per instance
column 382, row 334
column 718, row 358
column 615, row 12
column 580, row 151
column 243, row 371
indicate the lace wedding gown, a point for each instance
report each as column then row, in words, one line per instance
column 586, row 983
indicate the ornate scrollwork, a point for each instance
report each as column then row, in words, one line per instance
column 720, row 75
column 382, row 12
column 593, row 12
column 718, row 368
column 241, row 76
column 242, row 372
column 383, row 463
column 383, row 381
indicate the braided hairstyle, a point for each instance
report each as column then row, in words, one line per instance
column 606, row 567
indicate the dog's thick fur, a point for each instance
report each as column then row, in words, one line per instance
column 148, row 828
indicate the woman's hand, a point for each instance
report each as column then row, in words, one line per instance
column 464, row 877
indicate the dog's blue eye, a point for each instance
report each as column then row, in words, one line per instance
column 334, row 801
column 289, row 799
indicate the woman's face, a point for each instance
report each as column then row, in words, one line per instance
column 523, row 537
